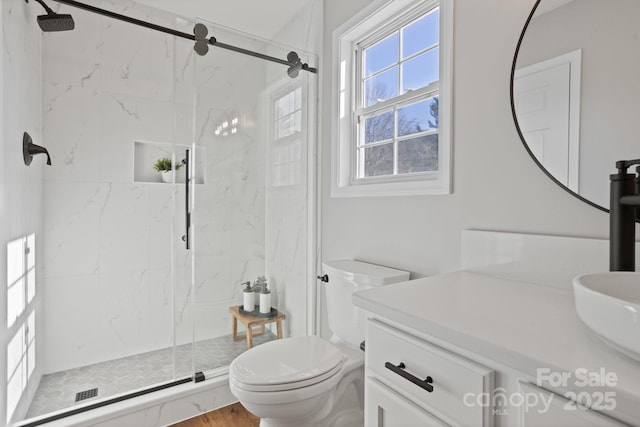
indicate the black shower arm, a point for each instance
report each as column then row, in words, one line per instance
column 47, row 8
column 212, row 41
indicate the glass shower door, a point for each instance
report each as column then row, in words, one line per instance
column 109, row 302
column 228, row 216
column 250, row 191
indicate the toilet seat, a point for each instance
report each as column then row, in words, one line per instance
column 287, row 364
column 288, row 386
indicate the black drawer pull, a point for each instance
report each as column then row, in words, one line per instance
column 425, row 384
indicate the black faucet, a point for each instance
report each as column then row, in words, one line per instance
column 623, row 213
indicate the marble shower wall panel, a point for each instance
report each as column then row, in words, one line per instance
column 72, row 221
column 108, row 244
column 124, row 228
column 71, row 120
column 230, row 205
column 20, row 186
column 287, row 207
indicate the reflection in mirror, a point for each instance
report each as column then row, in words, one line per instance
column 576, row 88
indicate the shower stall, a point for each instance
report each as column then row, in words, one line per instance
column 137, row 268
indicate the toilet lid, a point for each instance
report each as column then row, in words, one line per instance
column 286, row 363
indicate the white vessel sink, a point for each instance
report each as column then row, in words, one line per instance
column 609, row 304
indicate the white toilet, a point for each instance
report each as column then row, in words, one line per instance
column 310, row 381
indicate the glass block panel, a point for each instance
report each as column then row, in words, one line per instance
column 421, row 71
column 418, row 154
column 378, row 161
column 378, row 128
column 421, row 34
column 381, row 87
column 381, row 55
column 419, row 117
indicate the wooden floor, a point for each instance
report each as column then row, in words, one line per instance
column 230, row 416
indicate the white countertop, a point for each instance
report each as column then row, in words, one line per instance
column 517, row 324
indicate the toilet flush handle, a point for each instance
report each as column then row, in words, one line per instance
column 324, row 278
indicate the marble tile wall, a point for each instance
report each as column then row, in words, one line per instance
column 107, row 245
column 20, row 203
column 109, row 240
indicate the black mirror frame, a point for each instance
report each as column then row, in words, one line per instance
column 515, row 118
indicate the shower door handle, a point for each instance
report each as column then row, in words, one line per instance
column 187, row 211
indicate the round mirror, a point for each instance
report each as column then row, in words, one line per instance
column 575, row 91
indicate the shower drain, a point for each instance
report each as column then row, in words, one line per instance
column 87, row 394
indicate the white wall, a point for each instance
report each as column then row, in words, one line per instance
column 20, row 187
column 495, row 183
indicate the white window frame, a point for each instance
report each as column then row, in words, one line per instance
column 345, row 90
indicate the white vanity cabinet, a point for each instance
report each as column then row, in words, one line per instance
column 485, row 341
column 410, row 381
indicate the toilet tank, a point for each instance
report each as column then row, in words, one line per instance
column 346, row 321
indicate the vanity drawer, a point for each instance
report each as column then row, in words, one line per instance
column 386, row 408
column 399, row 360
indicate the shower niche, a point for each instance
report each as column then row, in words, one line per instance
column 147, row 153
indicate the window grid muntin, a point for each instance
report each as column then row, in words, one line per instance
column 388, row 31
column 400, row 65
column 396, row 24
column 381, row 70
column 400, row 100
column 387, row 68
column 361, row 146
column 417, row 17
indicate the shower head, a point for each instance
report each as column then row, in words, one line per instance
column 54, row 21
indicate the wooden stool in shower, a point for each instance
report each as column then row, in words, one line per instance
column 250, row 321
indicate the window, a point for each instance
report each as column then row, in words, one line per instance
column 393, row 100
column 286, row 149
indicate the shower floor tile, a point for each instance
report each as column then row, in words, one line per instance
column 58, row 390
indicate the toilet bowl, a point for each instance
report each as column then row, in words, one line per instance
column 296, row 381
column 310, row 381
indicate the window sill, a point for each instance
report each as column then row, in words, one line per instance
column 404, row 188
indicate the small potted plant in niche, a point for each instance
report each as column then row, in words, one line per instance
column 163, row 165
